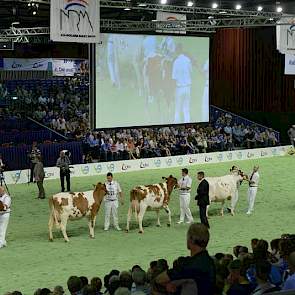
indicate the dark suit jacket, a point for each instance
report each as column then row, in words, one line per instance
column 203, row 193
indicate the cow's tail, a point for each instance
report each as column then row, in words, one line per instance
column 134, row 205
column 53, row 213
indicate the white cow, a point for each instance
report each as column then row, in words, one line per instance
column 223, row 188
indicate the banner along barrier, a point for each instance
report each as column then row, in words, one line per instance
column 91, row 169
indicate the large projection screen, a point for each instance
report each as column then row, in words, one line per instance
column 145, row 80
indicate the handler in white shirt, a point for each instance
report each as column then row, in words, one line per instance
column 5, row 203
column 185, row 185
column 182, row 74
column 111, row 200
column 252, row 191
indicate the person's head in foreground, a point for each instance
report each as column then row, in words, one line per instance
column 197, row 238
column 74, row 285
column 200, row 175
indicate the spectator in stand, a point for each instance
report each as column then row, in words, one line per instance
column 291, row 134
column 250, row 138
column 290, row 282
column 74, row 285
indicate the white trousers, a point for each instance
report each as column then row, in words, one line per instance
column 234, row 200
column 185, row 212
column 4, row 219
column 111, row 208
column 252, row 191
column 205, row 102
column 182, row 104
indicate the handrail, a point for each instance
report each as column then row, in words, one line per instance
column 236, row 115
column 44, row 126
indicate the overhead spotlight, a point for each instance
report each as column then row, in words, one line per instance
column 29, row 4
column 34, row 12
column 214, row 5
column 190, row 3
column 142, row 5
column 279, row 9
column 238, row 6
column 163, row 2
column 259, row 8
column 127, row 8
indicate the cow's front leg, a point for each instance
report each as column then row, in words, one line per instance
column 207, row 211
column 91, row 224
column 158, row 218
column 129, row 215
column 222, row 209
column 140, row 217
column 63, row 227
column 50, row 226
column 168, row 211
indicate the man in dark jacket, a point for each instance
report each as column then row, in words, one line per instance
column 39, row 175
column 203, row 197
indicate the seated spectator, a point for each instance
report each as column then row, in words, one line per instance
column 58, row 290
column 290, row 282
column 96, row 284
column 198, row 267
column 263, row 269
column 74, row 285
column 140, row 280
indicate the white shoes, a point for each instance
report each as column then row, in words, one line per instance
column 189, row 222
column 179, row 222
column 118, row 228
column 248, row 213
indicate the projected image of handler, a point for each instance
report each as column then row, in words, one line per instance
column 182, row 74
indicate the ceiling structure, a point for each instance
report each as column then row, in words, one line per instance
column 34, row 15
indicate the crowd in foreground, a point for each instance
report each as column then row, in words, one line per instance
column 260, row 270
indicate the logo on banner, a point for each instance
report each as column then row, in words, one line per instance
column 16, row 176
column 85, row 169
column 274, row 151
column 208, row 159
column 179, row 161
column 144, row 165
column 16, row 65
column 125, row 167
column 158, row 163
column 220, row 157
column 229, row 156
column 250, row 155
column 239, row 155
column 111, row 167
column 192, row 160
column 98, row 168
column 49, row 174
column 263, row 153
column 169, row 162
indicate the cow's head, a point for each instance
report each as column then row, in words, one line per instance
column 99, row 192
column 242, row 175
column 172, row 183
column 1, row 206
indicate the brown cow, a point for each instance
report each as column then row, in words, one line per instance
column 154, row 197
column 65, row 206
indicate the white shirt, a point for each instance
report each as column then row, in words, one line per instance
column 185, row 182
column 113, row 190
column 149, row 46
column 6, row 200
column 182, row 71
column 254, row 179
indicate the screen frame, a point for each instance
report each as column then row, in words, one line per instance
column 92, row 81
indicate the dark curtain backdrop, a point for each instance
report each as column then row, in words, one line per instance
column 247, row 72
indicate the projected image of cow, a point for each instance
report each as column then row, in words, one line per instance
column 151, row 80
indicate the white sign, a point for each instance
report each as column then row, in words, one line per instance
column 286, row 35
column 30, row 64
column 171, row 22
column 289, row 64
column 69, row 67
column 75, row 21
column 22, row 176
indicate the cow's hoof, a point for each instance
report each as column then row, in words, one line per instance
column 67, row 241
column 140, row 232
column 158, row 225
column 127, row 231
column 168, row 224
column 50, row 240
column 91, row 237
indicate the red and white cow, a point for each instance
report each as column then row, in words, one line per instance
column 152, row 197
column 222, row 188
column 71, row 206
